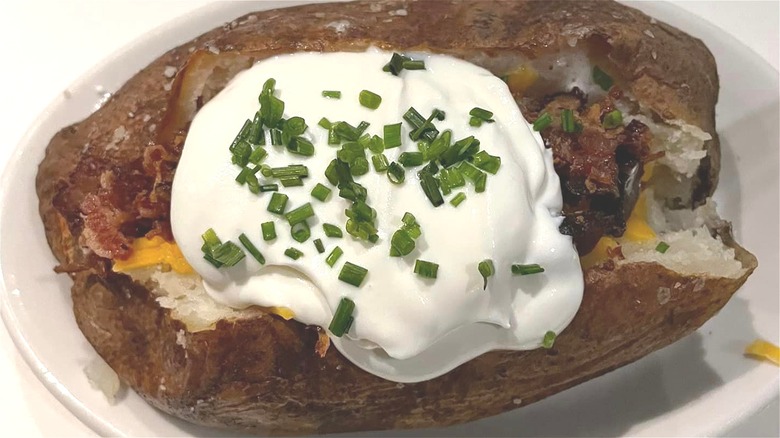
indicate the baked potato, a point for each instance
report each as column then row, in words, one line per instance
column 253, row 370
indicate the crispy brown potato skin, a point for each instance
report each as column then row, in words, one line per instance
column 262, row 373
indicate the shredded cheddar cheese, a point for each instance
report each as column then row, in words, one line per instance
column 521, row 79
column 154, row 251
column 637, row 229
column 764, row 350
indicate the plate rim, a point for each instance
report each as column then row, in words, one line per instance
column 78, row 408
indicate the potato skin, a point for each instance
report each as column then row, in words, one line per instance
column 261, row 374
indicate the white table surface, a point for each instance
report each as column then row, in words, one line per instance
column 48, row 44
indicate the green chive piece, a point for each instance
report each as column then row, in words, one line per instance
column 333, row 137
column 602, row 79
column 376, row 145
column 392, row 136
column 294, row 126
column 359, row 166
column 350, row 151
column 662, row 247
column 486, row 270
column 300, row 232
column 268, row 230
column 325, row 123
column 414, row 64
column 352, row 274
column 480, row 183
column 548, row 340
column 331, row 94
column 241, row 153
column 229, row 254
column 210, row 243
column 334, row 256
column 457, row 199
column 544, row 120
column 440, row 145
column 276, row 137
column 320, row 192
column 269, row 188
column 426, row 269
column 488, row 163
column 380, row 163
column 612, row 120
column 300, row 146
column 567, row 121
column 320, row 247
column 527, row 269
column 482, row 114
column 459, row 151
column 332, row 230
column 347, row 132
column 243, row 134
column 300, row 214
column 278, row 203
column 395, row 173
column 293, row 253
column 271, row 107
column 370, row 99
column 431, row 188
column 291, row 181
column 451, row 178
column 253, row 184
column 257, row 155
column 342, row 318
column 252, row 249
column 396, row 64
column 475, row 122
column 245, row 172
column 422, row 128
column 401, row 243
column 410, row 159
column 292, row 170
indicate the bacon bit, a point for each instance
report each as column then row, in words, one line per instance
column 323, row 342
column 102, row 224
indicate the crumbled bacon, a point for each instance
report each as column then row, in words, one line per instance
column 102, row 224
column 323, row 342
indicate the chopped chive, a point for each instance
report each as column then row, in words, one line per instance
column 241, row 153
column 300, row 232
column 331, row 94
column 602, row 79
column 278, row 203
column 228, row 254
column 320, row 247
column 325, row 123
column 401, row 244
column 300, row 146
column 392, row 136
column 486, row 270
column 320, row 192
column 269, row 188
column 426, row 269
column 257, row 155
column 662, row 247
column 359, row 166
column 548, row 340
column 332, row 230
column 543, row 121
column 451, row 178
column 291, row 170
column 410, row 159
column 352, row 274
column 480, row 183
column 431, row 188
column 253, row 184
column 431, row 168
column 440, row 145
column 342, row 318
column 612, row 120
column 333, row 137
column 347, row 132
column 380, row 162
column 210, row 239
column 475, row 122
column 300, row 214
column 350, row 151
column 245, row 172
column 362, row 126
column 457, row 199
column 459, row 151
column 527, row 269
column 291, row 181
column 567, row 121
column 243, row 134
column 412, row 64
column 251, row 248
column 395, row 173
column 396, row 64
column 488, row 163
column 482, row 114
column 370, row 99
column 293, row 253
column 376, row 145
column 276, row 137
column 269, row 230
column 334, row 256
column 294, row 126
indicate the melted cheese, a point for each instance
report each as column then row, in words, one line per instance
column 151, row 252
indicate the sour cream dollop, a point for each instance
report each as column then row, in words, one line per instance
column 406, row 328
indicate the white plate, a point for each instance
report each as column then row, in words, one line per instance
column 698, row 386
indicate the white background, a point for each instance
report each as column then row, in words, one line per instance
column 46, row 45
